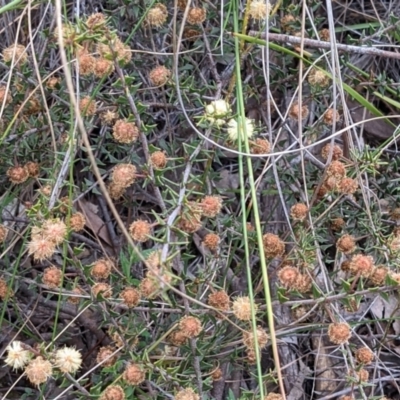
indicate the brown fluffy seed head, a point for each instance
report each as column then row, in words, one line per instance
column 140, row 230
column 303, row 283
column 101, row 269
column 363, row 375
column 299, row 211
column 17, row 174
column 211, row 241
column 364, row 355
column 287, row 23
column 75, row 299
column 114, row 48
column 191, row 34
column 196, row 16
column 260, row 146
column 87, row 106
column 77, row 222
column 103, row 67
column 219, row 300
column 125, row 132
column 288, row 276
column 211, row 206
column 348, row 186
column 54, row 230
column 130, row 297
column 41, row 248
column 187, row 394
column 324, row 35
column 339, row 333
column 190, row 219
column 336, row 170
column 336, row 150
column 113, row 392
column 5, row 96
column 177, row 338
column 53, row 82
column 331, row 116
column 190, row 326
column 346, row 244
column 260, row 9
column 318, row 78
column 96, row 21
column 3, row 233
column 362, row 265
column 123, row 175
column 273, row 396
column 134, row 374
column 296, row 112
column 101, row 288
column 38, row 371
column 52, row 277
column 337, row 224
column 115, row 191
column 68, row 360
column 158, row 160
column 5, row 291
column 17, row 53
column 241, row 308
column 105, row 354
column 157, row 15
column 149, row 287
column 217, row 375
column 108, row 117
column 32, row 168
column 261, row 337
column 395, row 214
column 159, row 76
column 378, row 275
column 273, row 246
column 86, row 62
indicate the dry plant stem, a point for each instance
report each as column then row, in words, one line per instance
column 280, row 38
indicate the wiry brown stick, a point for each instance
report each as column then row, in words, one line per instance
column 277, row 37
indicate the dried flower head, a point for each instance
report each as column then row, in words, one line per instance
column 53, row 82
column 260, row 9
column 187, row 394
column 103, row 67
column 158, row 160
column 5, row 95
column 17, row 356
column 105, row 356
column 378, row 275
column 336, row 169
column 108, row 117
column 196, row 16
column 15, row 53
column 239, row 129
column 318, row 78
column 65, row 204
column 68, row 360
column 130, row 296
column 346, row 244
column 190, row 326
column 125, row 132
column 115, row 191
column 149, row 287
column 3, row 233
column 191, row 34
column 273, row 246
column 331, row 116
column 78, row 292
column 140, row 230
column 157, row 15
column 17, row 174
column 339, row 333
column 216, row 375
column 348, row 186
column 324, row 35
column 86, row 62
column 114, row 49
column 337, row 224
column 395, row 214
column 134, row 374
column 364, row 355
column 260, row 146
column 101, row 269
column 52, row 277
column 113, row 392
column 217, row 109
column 77, row 222
column 96, row 21
column 190, row 218
column 32, row 168
column 211, row 206
column 249, row 339
column 87, row 106
column 299, row 211
column 5, row 291
column 362, row 265
column 153, row 261
column 124, row 175
column 296, row 112
column 219, row 300
column 362, row 375
column 303, row 283
column 38, row 370
column 211, row 241
column 241, row 308
column 102, row 288
column 177, row 338
column 287, row 23
column 54, row 230
column 160, row 75
column 288, row 276
column 41, row 248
